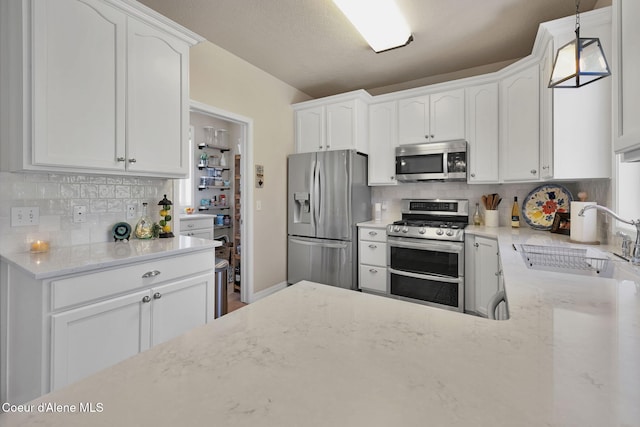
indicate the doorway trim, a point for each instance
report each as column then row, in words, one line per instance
column 246, row 205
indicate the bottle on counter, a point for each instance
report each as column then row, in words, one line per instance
column 515, row 213
column 144, row 227
column 477, row 219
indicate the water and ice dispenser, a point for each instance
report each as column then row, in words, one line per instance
column 302, row 208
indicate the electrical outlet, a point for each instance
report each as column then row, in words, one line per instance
column 258, row 205
column 25, row 216
column 80, row 213
column 132, row 211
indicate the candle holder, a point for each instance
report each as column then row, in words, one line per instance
column 165, row 214
column 39, row 246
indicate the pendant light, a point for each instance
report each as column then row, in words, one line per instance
column 579, row 62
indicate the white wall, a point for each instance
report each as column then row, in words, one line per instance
column 225, row 81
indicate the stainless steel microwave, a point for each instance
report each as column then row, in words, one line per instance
column 435, row 161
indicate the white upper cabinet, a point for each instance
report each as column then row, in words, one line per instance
column 157, row 94
column 482, row 133
column 582, row 117
column 97, row 88
column 383, row 140
column 431, row 118
column 626, row 82
column 520, row 125
column 333, row 123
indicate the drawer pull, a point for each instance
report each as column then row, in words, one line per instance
column 153, row 273
column 157, row 295
column 189, row 225
column 373, row 270
column 373, row 233
column 373, row 246
column 146, row 299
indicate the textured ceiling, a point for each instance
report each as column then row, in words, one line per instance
column 310, row 45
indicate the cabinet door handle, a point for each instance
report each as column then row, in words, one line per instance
column 473, row 175
column 426, row 137
column 476, row 245
column 373, row 246
column 132, row 160
column 153, row 273
column 120, row 159
column 545, row 167
column 157, row 295
column 373, row 233
column 533, row 171
column 373, row 270
column 146, row 299
column 432, row 136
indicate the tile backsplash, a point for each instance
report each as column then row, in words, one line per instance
column 106, row 199
column 597, row 190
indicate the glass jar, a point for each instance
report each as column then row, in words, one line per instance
column 144, row 227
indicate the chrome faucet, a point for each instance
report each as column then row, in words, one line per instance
column 635, row 257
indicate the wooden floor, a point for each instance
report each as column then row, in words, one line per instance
column 233, row 302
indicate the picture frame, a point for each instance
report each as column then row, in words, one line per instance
column 561, row 223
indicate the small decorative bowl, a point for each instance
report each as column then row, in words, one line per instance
column 188, row 211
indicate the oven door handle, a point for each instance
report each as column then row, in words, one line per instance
column 426, row 276
column 432, row 245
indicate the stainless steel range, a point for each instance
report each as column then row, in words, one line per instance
column 425, row 252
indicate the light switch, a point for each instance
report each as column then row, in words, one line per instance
column 258, row 205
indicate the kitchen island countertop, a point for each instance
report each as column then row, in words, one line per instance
column 82, row 258
column 316, row 355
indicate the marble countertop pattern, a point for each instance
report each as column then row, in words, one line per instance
column 82, row 258
column 374, row 224
column 315, row 355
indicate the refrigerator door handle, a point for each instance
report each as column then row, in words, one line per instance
column 316, row 192
column 337, row 245
column 313, row 201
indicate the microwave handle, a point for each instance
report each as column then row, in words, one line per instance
column 445, row 164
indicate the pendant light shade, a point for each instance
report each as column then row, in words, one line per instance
column 579, row 62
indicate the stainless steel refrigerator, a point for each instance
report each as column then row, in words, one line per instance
column 327, row 196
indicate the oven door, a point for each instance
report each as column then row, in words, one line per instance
column 423, row 256
column 441, row 292
column 426, row 271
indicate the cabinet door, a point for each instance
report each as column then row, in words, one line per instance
column 483, row 133
column 520, row 136
column 310, row 130
column 486, row 272
column 413, row 120
column 383, row 140
column 157, row 102
column 446, row 116
column 181, row 306
column 625, row 66
column 88, row 339
column 341, row 122
column 546, row 114
column 79, row 85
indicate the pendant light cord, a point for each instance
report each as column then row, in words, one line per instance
column 577, row 16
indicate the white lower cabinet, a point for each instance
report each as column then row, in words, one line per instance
column 201, row 227
column 481, row 273
column 372, row 259
column 88, row 339
column 75, row 325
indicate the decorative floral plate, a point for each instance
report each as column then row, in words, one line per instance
column 542, row 203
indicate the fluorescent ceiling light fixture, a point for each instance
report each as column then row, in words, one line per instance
column 579, row 62
column 380, row 22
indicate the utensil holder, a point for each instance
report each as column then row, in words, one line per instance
column 491, row 218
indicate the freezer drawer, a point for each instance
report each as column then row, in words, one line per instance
column 330, row 262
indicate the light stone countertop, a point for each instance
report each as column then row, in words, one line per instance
column 375, row 224
column 315, row 355
column 83, row 258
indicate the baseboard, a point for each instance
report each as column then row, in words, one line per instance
column 266, row 292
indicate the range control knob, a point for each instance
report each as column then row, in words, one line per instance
column 449, row 232
column 405, row 229
column 422, row 230
column 396, row 228
column 439, row 232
